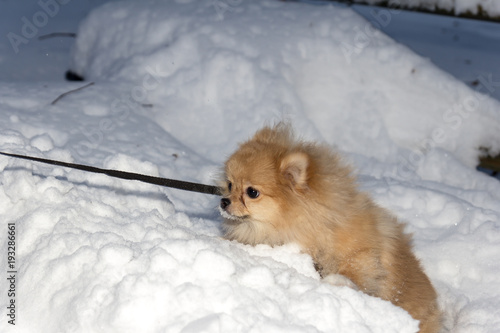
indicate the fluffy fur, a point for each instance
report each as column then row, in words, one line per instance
column 277, row 190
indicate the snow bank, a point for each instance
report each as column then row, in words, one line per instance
column 178, row 84
column 241, row 68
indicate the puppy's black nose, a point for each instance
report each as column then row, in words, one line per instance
column 224, row 202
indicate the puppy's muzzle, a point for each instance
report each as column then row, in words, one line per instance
column 224, row 202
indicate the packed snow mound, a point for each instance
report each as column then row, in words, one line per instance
column 248, row 62
column 130, row 263
column 177, row 85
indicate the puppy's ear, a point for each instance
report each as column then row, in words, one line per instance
column 294, row 168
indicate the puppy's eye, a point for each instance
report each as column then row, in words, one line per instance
column 229, row 186
column 252, row 193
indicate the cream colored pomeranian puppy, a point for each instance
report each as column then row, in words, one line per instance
column 279, row 190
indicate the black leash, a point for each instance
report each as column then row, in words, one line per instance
column 178, row 184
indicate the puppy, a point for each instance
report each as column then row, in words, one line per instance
column 278, row 190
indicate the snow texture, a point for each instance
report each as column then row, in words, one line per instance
column 177, row 85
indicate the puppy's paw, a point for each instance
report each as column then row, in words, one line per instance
column 340, row 281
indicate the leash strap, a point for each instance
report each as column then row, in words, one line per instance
column 178, row 184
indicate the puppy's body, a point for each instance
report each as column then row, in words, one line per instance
column 279, row 190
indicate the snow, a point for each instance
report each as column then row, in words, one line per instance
column 466, row 48
column 177, row 86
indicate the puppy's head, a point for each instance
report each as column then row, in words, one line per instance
column 262, row 179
